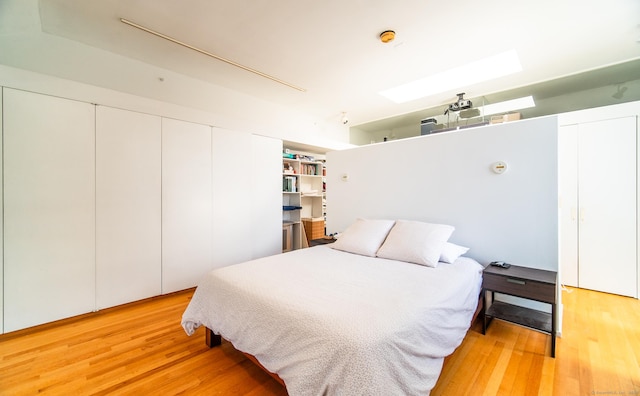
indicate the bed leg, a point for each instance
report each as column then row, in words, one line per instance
column 212, row 340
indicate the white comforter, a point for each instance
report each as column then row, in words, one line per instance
column 335, row 323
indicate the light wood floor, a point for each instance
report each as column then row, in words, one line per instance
column 598, row 354
column 141, row 349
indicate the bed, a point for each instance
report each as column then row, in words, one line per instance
column 329, row 321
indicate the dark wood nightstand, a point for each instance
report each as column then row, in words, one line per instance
column 523, row 282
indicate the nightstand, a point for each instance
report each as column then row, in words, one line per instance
column 529, row 283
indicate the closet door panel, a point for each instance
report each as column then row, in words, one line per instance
column 128, row 206
column 49, row 201
column 232, row 197
column 607, row 206
column 568, row 191
column 266, row 194
column 186, row 204
column 1, row 228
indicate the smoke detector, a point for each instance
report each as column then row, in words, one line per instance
column 387, row 35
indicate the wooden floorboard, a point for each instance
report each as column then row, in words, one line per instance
column 598, row 353
column 141, row 348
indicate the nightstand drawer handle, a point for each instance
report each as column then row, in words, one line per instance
column 516, row 281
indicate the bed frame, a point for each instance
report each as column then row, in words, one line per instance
column 214, row 340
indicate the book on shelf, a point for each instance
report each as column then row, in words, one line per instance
column 289, row 184
column 310, row 169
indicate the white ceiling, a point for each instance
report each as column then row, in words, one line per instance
column 331, row 48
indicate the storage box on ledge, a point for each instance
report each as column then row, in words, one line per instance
column 499, row 119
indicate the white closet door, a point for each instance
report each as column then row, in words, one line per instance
column 49, row 202
column 1, row 230
column 186, row 204
column 607, row 206
column 232, row 197
column 128, row 206
column 266, row 193
column 568, row 201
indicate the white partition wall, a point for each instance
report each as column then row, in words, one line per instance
column 49, row 202
column 186, row 204
column 266, row 196
column 231, row 197
column 448, row 178
column 128, row 206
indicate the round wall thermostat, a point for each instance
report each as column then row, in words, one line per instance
column 499, row 167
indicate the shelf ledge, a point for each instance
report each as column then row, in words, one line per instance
column 527, row 317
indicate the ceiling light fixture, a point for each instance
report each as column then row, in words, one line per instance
column 387, row 36
column 191, row 47
column 507, row 106
column 463, row 76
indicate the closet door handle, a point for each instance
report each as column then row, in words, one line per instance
column 582, row 214
column 574, row 213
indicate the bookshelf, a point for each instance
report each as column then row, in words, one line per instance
column 311, row 189
column 303, row 198
column 291, row 205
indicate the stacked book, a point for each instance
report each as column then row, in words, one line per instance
column 289, row 184
column 310, row 169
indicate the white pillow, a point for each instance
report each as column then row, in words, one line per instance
column 451, row 252
column 363, row 237
column 416, row 242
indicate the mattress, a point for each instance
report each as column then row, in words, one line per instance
column 335, row 323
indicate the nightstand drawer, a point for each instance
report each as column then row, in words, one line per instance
column 526, row 288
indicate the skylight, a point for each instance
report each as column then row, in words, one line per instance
column 463, row 76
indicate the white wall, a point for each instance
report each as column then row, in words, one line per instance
column 360, row 137
column 446, row 178
column 271, row 120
